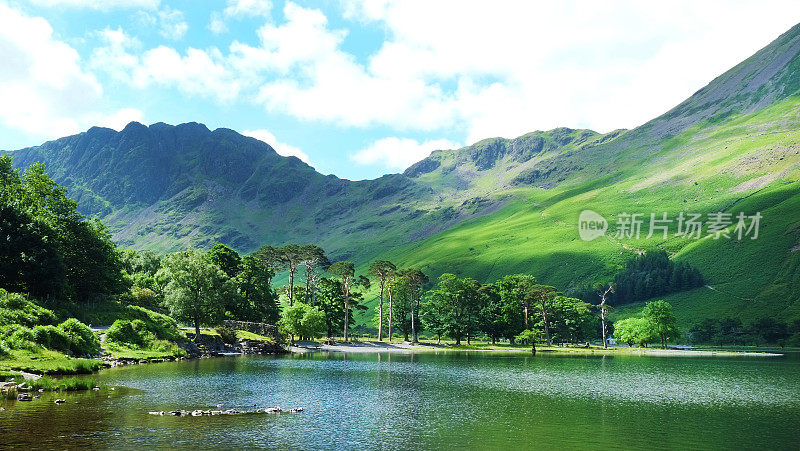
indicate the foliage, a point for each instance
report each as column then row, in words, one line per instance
column 529, row 336
column 662, row 320
column 461, row 301
column 82, row 341
column 196, row 289
column 47, row 249
column 302, row 320
column 653, row 274
column 256, row 300
column 226, row 258
column 635, row 331
column 227, row 334
column 15, row 309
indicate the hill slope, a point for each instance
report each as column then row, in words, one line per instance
column 495, row 207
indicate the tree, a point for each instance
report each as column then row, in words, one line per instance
column 603, row 291
column 513, row 293
column 257, row 299
column 291, row 255
column 530, row 336
column 302, row 320
column 461, row 302
column 415, row 280
column 493, row 318
column 29, row 257
column 331, row 302
column 542, row 293
column 433, row 314
column 634, row 331
column 313, row 257
column 662, row 320
column 515, row 304
column 570, row 319
column 226, row 258
column 196, row 289
column 346, row 271
column 383, row 270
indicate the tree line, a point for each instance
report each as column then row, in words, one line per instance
column 50, row 252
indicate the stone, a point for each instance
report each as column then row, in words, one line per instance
column 60, row 401
column 24, row 397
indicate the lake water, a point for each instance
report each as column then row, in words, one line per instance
column 447, row 400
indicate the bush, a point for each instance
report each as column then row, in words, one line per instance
column 5, row 351
column 20, row 337
column 15, row 309
column 228, row 335
column 131, row 333
column 82, row 339
column 162, row 326
column 51, row 337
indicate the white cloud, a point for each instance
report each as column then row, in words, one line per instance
column 119, row 119
column 245, row 8
column 170, row 22
column 467, row 68
column 283, row 149
column 103, row 5
column 44, row 90
column 198, row 72
column 399, row 153
column 237, row 9
column 172, row 25
column 217, row 24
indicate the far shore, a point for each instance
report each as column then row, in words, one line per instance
column 405, row 347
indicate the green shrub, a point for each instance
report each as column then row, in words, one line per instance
column 51, row 337
column 82, row 339
column 15, row 309
column 20, row 337
column 5, row 351
column 228, row 335
column 162, row 326
column 131, row 333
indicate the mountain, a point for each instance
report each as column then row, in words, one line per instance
column 495, row 207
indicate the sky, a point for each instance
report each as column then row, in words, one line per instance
column 361, row 88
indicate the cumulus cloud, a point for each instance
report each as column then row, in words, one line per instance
column 248, row 8
column 45, row 91
column 170, row 22
column 282, row 148
column 197, row 72
column 399, row 153
column 491, row 70
column 237, row 9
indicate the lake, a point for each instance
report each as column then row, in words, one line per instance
column 444, row 400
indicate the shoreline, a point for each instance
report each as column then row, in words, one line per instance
column 409, row 348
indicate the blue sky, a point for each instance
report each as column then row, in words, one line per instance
column 363, row 88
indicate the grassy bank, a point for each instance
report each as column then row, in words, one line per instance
column 47, row 362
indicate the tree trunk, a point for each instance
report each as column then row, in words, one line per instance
column 196, row 329
column 546, row 325
column 413, row 323
column 525, row 310
column 291, row 285
column 533, row 347
column 603, row 320
column 380, row 314
column 346, row 316
column 389, row 337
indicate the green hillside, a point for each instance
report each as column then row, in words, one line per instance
column 496, row 207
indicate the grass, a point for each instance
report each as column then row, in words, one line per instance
column 51, row 384
column 48, row 362
column 245, row 335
